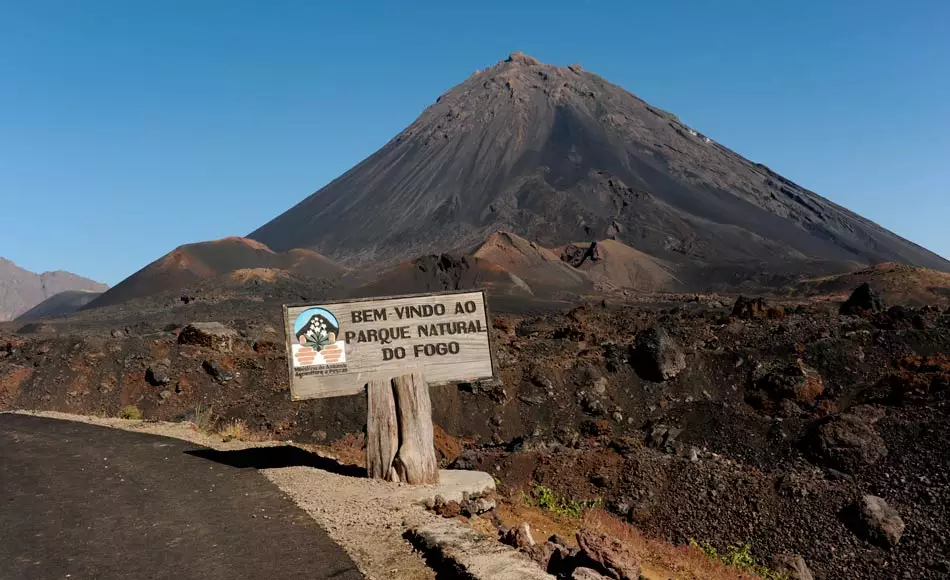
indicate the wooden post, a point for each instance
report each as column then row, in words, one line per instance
column 400, row 443
column 382, row 431
column 415, row 461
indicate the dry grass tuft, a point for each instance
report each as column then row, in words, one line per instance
column 661, row 559
column 235, row 429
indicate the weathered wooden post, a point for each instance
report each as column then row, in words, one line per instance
column 393, row 349
column 415, row 461
column 382, row 431
column 400, row 443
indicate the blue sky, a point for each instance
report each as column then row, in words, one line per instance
column 128, row 128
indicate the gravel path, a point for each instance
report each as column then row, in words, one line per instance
column 365, row 517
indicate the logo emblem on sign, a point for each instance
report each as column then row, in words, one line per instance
column 317, row 339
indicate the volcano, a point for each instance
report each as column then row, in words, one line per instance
column 559, row 155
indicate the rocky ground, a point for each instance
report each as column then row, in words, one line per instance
column 774, row 425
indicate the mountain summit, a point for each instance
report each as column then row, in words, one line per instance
column 560, row 155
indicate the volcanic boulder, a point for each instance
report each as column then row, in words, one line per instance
column 611, row 556
column 876, row 521
column 795, row 381
column 749, row 308
column 218, row 372
column 847, row 442
column 792, row 566
column 519, row 537
column 656, row 356
column 157, row 373
column 864, row 300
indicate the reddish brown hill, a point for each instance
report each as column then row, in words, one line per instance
column 192, row 263
column 539, row 267
column 898, row 284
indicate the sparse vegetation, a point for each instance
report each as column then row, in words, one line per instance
column 204, row 420
column 739, row 557
column 130, row 412
column 546, row 499
column 234, row 429
column 663, row 559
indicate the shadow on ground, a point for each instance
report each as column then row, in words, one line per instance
column 275, row 458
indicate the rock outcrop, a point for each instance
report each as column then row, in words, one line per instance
column 656, row 355
column 864, row 300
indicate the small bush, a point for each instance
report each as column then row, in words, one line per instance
column 545, row 498
column 739, row 557
column 130, row 412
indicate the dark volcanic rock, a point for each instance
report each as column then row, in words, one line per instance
column 846, row 442
column 157, row 374
column 613, row 558
column 656, row 356
column 874, row 520
column 213, row 335
column 519, row 537
column 576, row 255
column 218, row 372
column 749, row 308
column 795, row 381
column 792, row 566
column 528, row 147
column 864, row 300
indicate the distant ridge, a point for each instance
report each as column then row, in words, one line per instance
column 21, row 290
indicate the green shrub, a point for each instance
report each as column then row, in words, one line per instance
column 545, row 498
column 739, row 557
column 130, row 412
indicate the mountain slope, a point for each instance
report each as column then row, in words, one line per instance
column 59, row 305
column 21, row 290
column 193, row 263
column 557, row 155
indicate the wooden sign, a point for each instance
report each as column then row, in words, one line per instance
column 335, row 349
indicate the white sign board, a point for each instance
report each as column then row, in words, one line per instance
column 334, row 349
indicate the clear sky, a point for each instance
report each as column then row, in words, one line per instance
column 130, row 127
